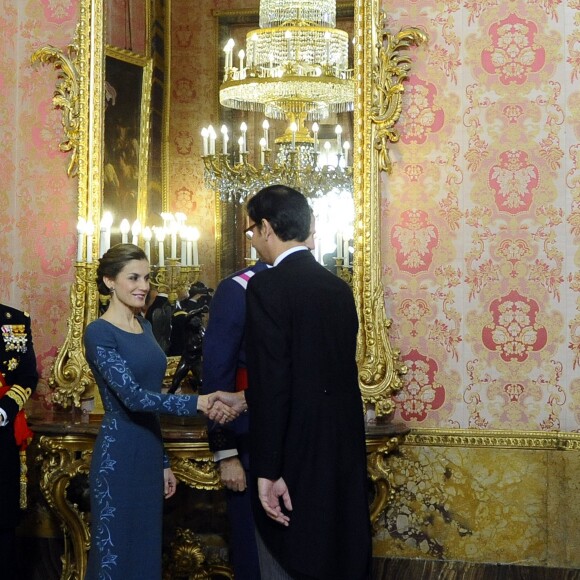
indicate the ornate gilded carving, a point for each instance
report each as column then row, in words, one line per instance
column 379, row 72
column 66, row 95
column 186, row 559
column 62, row 459
column 391, row 69
column 70, row 372
column 500, row 439
column 381, row 475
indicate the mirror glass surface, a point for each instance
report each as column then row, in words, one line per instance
column 88, row 102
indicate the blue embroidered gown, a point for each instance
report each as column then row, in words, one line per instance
column 126, row 476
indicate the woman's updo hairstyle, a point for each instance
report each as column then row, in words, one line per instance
column 113, row 261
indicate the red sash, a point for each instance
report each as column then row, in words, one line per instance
column 22, row 432
column 241, row 379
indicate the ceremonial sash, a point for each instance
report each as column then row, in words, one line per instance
column 22, row 433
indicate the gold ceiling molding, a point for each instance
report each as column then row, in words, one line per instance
column 471, row 438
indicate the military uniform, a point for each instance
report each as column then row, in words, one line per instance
column 224, row 365
column 18, row 381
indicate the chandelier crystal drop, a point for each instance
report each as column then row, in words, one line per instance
column 295, row 68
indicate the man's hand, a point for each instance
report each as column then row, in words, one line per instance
column 232, row 473
column 237, row 401
column 270, row 492
column 222, row 407
column 170, row 483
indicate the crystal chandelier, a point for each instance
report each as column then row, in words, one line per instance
column 294, row 68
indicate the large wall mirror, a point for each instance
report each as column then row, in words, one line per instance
column 91, row 101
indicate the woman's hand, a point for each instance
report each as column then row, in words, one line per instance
column 170, row 483
column 222, row 407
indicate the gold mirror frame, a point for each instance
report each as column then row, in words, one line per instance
column 380, row 69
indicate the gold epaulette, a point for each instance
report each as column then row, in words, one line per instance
column 19, row 395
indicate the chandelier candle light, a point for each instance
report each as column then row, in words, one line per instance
column 172, row 274
column 294, row 68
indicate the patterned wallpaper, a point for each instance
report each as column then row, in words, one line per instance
column 481, row 216
column 37, row 200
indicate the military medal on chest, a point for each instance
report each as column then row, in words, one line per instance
column 14, row 337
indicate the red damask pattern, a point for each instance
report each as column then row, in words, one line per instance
column 513, row 54
column 422, row 116
column 422, row 392
column 514, row 332
column 414, row 239
column 513, row 181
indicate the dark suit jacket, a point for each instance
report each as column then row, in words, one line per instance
column 18, row 365
column 306, row 417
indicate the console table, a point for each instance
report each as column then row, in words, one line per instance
column 65, row 439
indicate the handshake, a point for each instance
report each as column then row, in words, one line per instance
column 222, row 406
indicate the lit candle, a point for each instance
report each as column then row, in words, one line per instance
column 189, row 259
column 338, row 244
column 315, row 129
column 228, row 49
column 173, row 233
column 135, row 231
column 241, row 144
column 266, row 126
column 262, row 150
column 125, row 229
column 204, row 135
column 212, row 138
column 346, row 252
column 327, row 150
column 160, row 239
column 105, row 241
column 81, row 228
column 346, row 148
column 293, row 128
column 90, row 230
column 243, row 129
column 338, row 132
column 184, row 247
column 224, row 131
column 167, row 218
column 195, row 237
column 147, row 235
column 241, row 56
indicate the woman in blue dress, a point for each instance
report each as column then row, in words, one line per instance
column 130, row 473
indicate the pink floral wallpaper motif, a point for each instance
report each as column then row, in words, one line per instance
column 481, row 217
column 37, row 200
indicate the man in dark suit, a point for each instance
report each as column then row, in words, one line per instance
column 18, row 379
column 224, row 368
column 307, row 438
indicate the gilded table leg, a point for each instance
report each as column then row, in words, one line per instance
column 380, row 474
column 64, row 458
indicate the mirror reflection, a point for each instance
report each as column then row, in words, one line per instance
column 286, row 93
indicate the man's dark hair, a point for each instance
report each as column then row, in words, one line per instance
column 285, row 208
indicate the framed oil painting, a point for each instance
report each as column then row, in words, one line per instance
column 126, row 136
